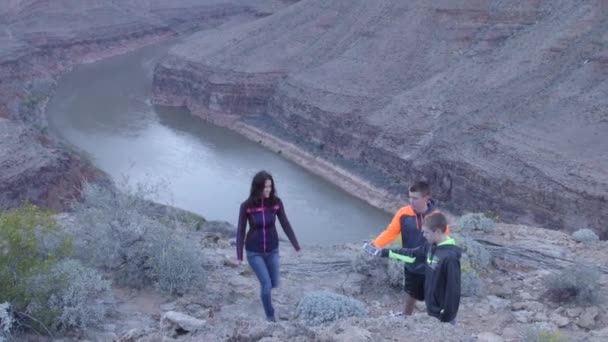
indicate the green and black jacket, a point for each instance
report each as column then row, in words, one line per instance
column 441, row 277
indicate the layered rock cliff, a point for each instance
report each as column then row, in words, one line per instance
column 500, row 105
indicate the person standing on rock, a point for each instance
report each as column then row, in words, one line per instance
column 441, row 259
column 261, row 242
column 408, row 222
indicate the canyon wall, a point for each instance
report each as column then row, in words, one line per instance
column 502, row 106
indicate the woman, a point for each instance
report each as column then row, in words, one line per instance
column 262, row 240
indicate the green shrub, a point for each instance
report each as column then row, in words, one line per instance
column 44, row 288
column 30, row 244
column 33, row 99
column 470, row 282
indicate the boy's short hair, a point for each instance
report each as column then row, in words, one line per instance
column 436, row 221
column 421, row 187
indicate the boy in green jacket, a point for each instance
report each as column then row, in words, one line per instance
column 442, row 267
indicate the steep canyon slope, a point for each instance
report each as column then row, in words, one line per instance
column 501, row 105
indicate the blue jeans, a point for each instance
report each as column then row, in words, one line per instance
column 266, row 268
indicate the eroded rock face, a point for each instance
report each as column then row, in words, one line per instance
column 41, row 38
column 37, row 171
column 499, row 105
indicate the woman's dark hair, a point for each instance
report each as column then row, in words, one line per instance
column 257, row 187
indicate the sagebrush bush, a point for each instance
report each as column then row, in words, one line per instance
column 83, row 298
column 77, row 296
column 322, row 306
column 475, row 221
column 364, row 263
column 578, row 284
column 470, row 282
column 383, row 270
column 544, row 336
column 177, row 265
column 395, row 273
column 119, row 234
column 189, row 220
column 478, row 256
column 585, row 235
column 475, row 259
column 6, row 321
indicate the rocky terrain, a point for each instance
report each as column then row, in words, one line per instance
column 508, row 285
column 510, row 304
column 499, row 104
column 39, row 39
column 35, row 168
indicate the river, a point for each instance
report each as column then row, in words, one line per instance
column 103, row 109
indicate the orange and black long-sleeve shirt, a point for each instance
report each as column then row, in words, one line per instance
column 262, row 236
column 408, row 223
